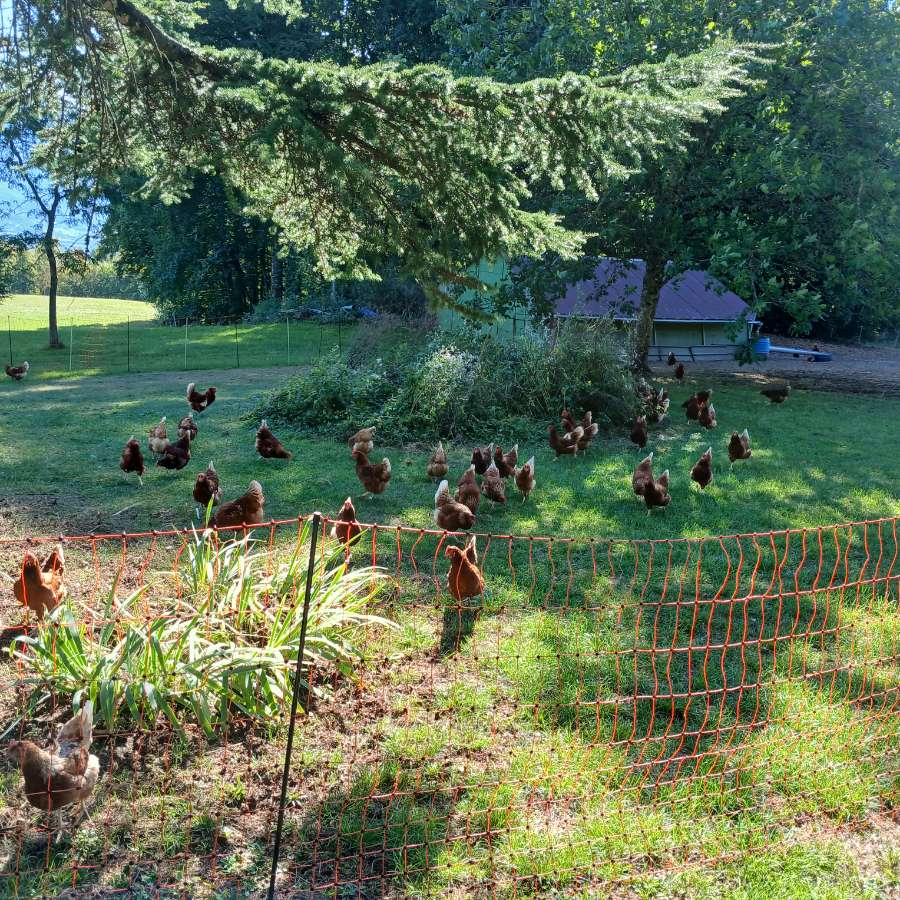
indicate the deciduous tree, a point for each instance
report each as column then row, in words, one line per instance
column 355, row 163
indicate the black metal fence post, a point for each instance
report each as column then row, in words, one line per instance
column 276, row 849
column 129, row 343
column 9, row 335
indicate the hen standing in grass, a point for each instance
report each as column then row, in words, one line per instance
column 574, row 436
column 464, row 582
column 40, row 586
column 17, row 373
column 702, row 469
column 374, row 477
column 200, row 401
column 132, row 459
column 437, row 465
column 506, row 462
column 739, row 447
column 450, row 514
column 206, row 487
column 643, row 475
column 707, row 416
column 562, row 445
column 246, row 510
column 493, row 486
column 679, row 372
column 464, row 579
column 656, row 492
column 693, row 404
column 639, row 432
column 65, row 774
column 588, row 433
column 187, row 427
column 158, row 438
column 176, row 456
column 468, row 491
column 481, row 458
column 363, row 441
column 777, row 394
column 268, row 446
column 346, row 529
column 524, row 478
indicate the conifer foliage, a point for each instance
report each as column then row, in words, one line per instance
column 356, row 163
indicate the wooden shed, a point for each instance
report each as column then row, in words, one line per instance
column 696, row 316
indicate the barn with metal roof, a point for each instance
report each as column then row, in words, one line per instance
column 696, row 316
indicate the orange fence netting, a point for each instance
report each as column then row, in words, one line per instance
column 522, row 715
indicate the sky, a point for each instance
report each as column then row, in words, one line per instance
column 18, row 213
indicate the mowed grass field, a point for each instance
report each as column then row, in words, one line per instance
column 28, row 312
column 822, row 458
column 106, row 336
column 492, row 771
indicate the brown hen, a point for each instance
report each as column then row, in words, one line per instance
column 246, row 510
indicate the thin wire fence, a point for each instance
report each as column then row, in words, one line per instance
column 146, row 346
column 563, row 715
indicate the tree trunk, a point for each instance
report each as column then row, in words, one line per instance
column 50, row 251
column 654, row 278
column 277, row 276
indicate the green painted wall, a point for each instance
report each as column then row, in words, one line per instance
column 491, row 274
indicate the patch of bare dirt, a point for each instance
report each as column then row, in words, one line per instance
column 853, row 369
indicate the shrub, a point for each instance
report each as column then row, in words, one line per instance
column 330, row 396
column 227, row 645
column 464, row 385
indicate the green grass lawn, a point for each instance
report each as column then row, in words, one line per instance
column 502, row 765
column 107, row 336
column 822, row 458
column 28, row 312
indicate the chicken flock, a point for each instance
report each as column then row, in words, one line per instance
column 249, row 508
column 65, row 774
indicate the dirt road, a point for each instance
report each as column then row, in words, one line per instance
column 853, row 369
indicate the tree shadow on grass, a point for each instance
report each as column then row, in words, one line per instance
column 389, row 826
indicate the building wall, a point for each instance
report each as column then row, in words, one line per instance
column 505, row 327
column 713, row 340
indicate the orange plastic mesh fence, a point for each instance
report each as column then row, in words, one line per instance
column 563, row 715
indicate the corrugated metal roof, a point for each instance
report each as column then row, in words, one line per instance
column 615, row 290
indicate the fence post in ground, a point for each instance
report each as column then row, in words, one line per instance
column 71, row 342
column 295, row 697
column 9, row 335
column 128, row 333
column 237, row 346
column 185, row 342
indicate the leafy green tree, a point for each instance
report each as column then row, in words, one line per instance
column 356, row 164
column 790, row 197
column 344, row 31
column 200, row 258
column 7, row 258
column 51, row 198
column 204, row 257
